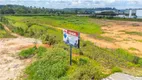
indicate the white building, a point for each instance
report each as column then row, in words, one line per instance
column 139, row 13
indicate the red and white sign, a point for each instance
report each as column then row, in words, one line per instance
column 71, row 38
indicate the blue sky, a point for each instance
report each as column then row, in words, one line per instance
column 59, row 4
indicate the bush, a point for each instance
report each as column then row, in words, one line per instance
column 36, row 30
column 136, row 60
column 116, row 69
column 2, row 33
column 20, row 28
column 140, row 62
column 130, row 64
column 82, row 61
column 52, row 66
column 84, row 68
column 86, row 72
column 27, row 53
column 41, row 51
column 1, row 27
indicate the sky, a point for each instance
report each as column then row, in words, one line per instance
column 60, row 4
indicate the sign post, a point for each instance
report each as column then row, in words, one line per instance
column 71, row 38
column 70, row 55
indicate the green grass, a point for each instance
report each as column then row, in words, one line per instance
column 93, row 62
column 53, row 64
column 21, row 25
column 3, row 33
column 116, row 69
column 102, row 37
column 80, row 24
column 27, row 53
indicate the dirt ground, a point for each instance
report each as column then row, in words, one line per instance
column 10, row 64
column 117, row 30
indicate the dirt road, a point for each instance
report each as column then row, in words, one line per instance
column 13, row 34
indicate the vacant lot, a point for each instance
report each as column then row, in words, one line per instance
column 126, row 34
column 108, row 55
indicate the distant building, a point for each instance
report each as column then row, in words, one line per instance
column 139, row 13
column 112, row 12
column 84, row 15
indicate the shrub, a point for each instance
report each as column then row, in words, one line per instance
column 52, row 40
column 20, row 28
column 140, row 62
column 121, row 53
column 41, row 51
column 2, row 33
column 37, row 30
column 86, row 72
column 136, row 60
column 130, row 64
column 27, row 53
column 1, row 27
column 84, row 68
column 52, row 66
column 82, row 61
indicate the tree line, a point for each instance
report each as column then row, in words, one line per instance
column 18, row 9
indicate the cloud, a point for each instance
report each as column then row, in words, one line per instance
column 76, row 3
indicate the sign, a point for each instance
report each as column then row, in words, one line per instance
column 71, row 38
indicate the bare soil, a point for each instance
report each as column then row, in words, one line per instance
column 116, row 30
column 10, row 64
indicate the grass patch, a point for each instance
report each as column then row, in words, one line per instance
column 84, row 68
column 134, row 33
column 80, row 24
column 27, row 53
column 52, row 66
column 97, row 36
column 90, row 65
column 3, row 33
column 133, row 49
column 139, row 40
column 116, row 69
